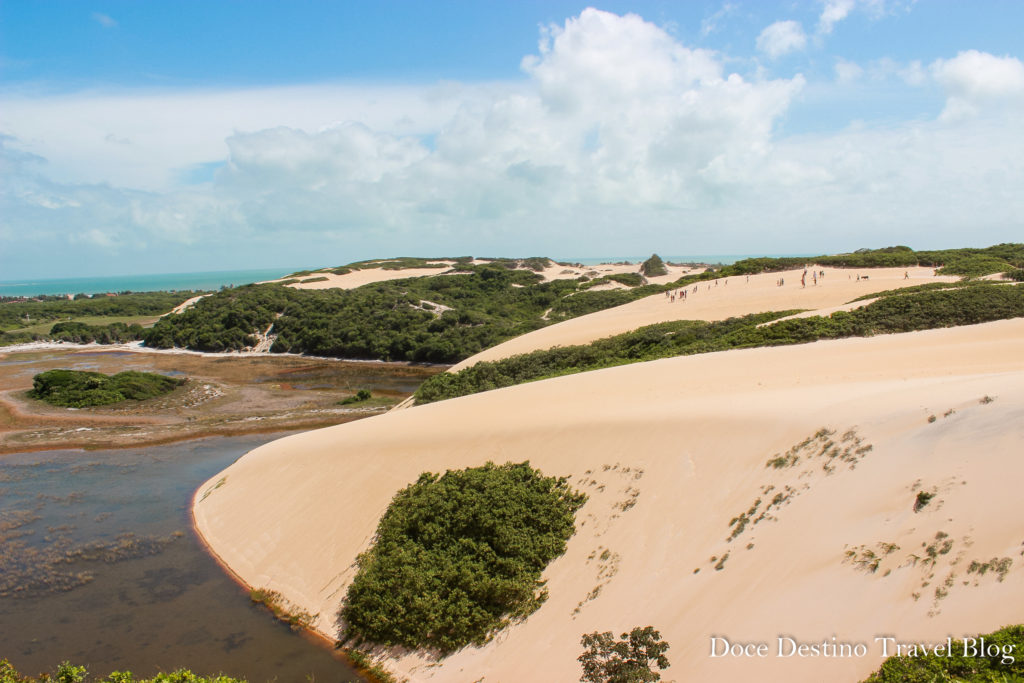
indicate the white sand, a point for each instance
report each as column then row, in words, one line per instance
column 292, row 515
column 186, row 304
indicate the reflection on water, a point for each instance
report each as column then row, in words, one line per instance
column 99, row 566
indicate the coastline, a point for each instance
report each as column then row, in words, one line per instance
column 312, row 635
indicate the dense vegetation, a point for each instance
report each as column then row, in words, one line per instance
column 919, row 310
column 969, row 665
column 438, row 319
column 627, row 660
column 83, row 333
column 653, row 267
column 458, row 555
column 967, row 261
column 30, row 320
column 79, row 389
column 68, row 673
column 446, row 319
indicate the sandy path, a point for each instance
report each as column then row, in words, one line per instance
column 685, row 440
column 732, row 296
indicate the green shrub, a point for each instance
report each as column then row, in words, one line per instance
column 457, row 556
column 360, row 396
column 79, row 389
column 628, row 279
column 972, row 667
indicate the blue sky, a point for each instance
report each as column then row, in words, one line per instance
column 172, row 136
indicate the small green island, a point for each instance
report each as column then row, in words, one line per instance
column 82, row 389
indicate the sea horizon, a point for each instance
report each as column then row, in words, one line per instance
column 152, row 282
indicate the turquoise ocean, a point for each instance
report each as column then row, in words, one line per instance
column 159, row 282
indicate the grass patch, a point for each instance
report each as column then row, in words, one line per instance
column 364, row 399
column 80, row 389
column 459, row 555
column 364, row 665
column 296, row 619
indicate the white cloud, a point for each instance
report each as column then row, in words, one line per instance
column 104, row 20
column 979, row 75
column 712, row 23
column 914, row 74
column 847, row 71
column 781, row 38
column 833, row 12
column 618, row 135
column 975, row 80
column 143, row 139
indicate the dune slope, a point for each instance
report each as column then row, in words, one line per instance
column 670, row 453
column 718, row 300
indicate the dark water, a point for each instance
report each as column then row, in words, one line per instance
column 99, row 566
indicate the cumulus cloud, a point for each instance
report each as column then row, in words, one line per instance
column 833, row 12
column 781, row 38
column 979, row 75
column 974, row 79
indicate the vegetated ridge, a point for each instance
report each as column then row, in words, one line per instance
column 468, row 308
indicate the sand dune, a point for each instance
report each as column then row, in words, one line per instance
column 670, row 451
column 730, row 297
column 365, row 276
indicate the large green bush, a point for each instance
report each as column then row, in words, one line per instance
column 80, row 389
column 965, row 664
column 457, row 556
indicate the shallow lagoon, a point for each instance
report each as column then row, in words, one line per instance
column 99, row 566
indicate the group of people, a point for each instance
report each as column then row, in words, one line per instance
column 814, row 275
